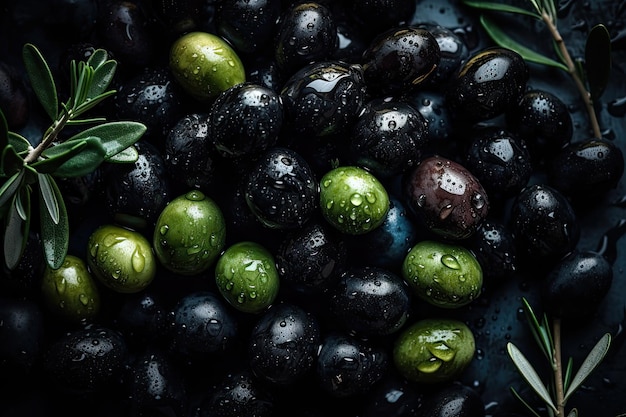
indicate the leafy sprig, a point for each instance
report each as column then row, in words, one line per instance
column 590, row 76
column 26, row 168
column 564, row 382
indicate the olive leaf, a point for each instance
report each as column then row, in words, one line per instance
column 520, row 399
column 102, row 77
column 500, row 7
column 16, row 233
column 54, row 235
column 128, row 155
column 19, row 142
column 590, row 363
column 114, row 136
column 568, row 373
column 530, row 375
column 540, row 333
column 57, row 156
column 573, row 413
column 41, row 79
column 49, row 197
column 598, row 60
column 10, row 161
column 83, row 163
column 97, row 58
column 10, row 187
column 4, row 131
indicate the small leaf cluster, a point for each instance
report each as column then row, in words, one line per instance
column 571, row 382
column 29, row 174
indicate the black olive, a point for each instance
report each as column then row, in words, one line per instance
column 245, row 120
column 306, row 33
column 388, row 138
column 22, row 333
column 324, row 98
column 495, row 249
column 432, row 105
column 13, row 97
column 454, row 400
column 347, row 366
column 577, row 284
column 400, row 59
column 370, row 301
column 453, row 53
column 141, row 317
column 282, row 190
column 394, row 396
column 586, row 170
column 264, row 71
column 283, row 344
column 352, row 39
column 446, row 197
column 247, row 24
column 544, row 223
column 236, row 395
column 487, row 85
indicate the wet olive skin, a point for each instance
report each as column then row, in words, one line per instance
column 352, row 200
column 283, row 344
column 433, row 350
column 443, row 274
column 370, row 301
column 189, row 234
column 453, row 53
column 121, row 259
column 577, row 284
column 490, row 82
column 205, row 65
column 245, row 120
column 237, row 394
column 446, row 197
column 246, row 276
column 495, row 249
column 281, row 189
column 70, row 291
column 454, row 400
column 248, row 25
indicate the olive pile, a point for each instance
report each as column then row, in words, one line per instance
column 323, row 190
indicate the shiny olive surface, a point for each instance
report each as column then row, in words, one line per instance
column 247, row 24
column 246, row 276
column 454, row 400
column 446, row 197
column 70, row 291
column 494, row 246
column 189, row 234
column 121, row 259
column 443, row 274
column 237, row 394
column 353, row 200
column 434, row 350
column 453, row 53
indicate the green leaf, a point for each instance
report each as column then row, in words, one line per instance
column 500, row 7
column 10, row 187
column 10, row 161
column 55, row 236
column 114, row 136
column 590, row 363
column 19, row 142
column 538, row 332
column 41, row 79
column 598, row 60
column 568, row 373
column 102, row 77
column 15, row 234
column 57, row 156
column 23, row 202
column 83, row 163
column 46, row 191
column 528, row 406
column 4, row 131
column 127, row 156
column 91, row 120
column 573, row 413
column 530, row 375
column 505, row 41
column 88, row 104
column 99, row 57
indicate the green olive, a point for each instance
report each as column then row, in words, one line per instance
column 205, row 65
column 190, row 233
column 434, row 350
column 353, row 200
column 70, row 291
column 247, row 277
column 121, row 259
column 443, row 274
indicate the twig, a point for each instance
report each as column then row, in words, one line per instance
column 558, row 368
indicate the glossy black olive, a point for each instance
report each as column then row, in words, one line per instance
column 379, row 15
column 236, row 395
column 587, row 169
column 543, row 121
column 246, row 120
column 86, row 360
column 202, row 324
column 283, row 344
column 495, row 249
column 311, row 258
column 576, row 286
column 352, row 39
column 21, row 336
column 446, row 197
column 487, row 85
column 500, row 160
column 137, row 193
column 371, row 301
column 400, row 59
column 306, row 33
column 247, row 24
column 388, row 138
column 13, row 97
column 281, row 189
column 394, row 396
column 347, row 366
column 324, row 98
column 432, row 105
column 189, row 153
column 454, row 400
column 264, row 71
column 454, row 53
column 544, row 223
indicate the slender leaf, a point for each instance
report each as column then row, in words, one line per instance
column 91, row 120
column 46, row 191
column 573, row 413
column 55, row 236
column 23, row 202
column 4, row 131
column 114, row 136
column 102, row 77
column 568, row 373
column 10, row 187
column 19, row 142
column 530, row 375
column 128, row 155
column 528, row 406
column 590, row 363
column 99, row 57
column 598, row 60
column 57, row 156
column 537, row 331
column 83, row 163
column 10, row 161
column 500, row 7
column 15, row 235
column 88, row 104
column 41, row 79
column 505, row 41
column 549, row 341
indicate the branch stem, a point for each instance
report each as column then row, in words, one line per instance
column 571, row 68
column 50, row 137
column 557, row 366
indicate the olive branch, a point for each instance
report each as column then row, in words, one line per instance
column 25, row 167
